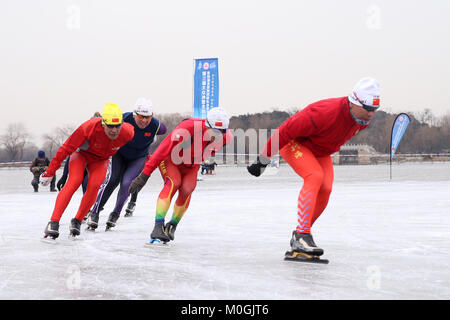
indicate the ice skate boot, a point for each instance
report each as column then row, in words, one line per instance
column 304, row 243
column 304, row 249
column 75, row 226
column 170, row 230
column 52, row 230
column 130, row 209
column 92, row 221
column 113, row 217
column 159, row 233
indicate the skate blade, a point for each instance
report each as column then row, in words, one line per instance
column 90, row 229
column 49, row 240
column 108, row 228
column 72, row 237
column 303, row 257
column 157, row 243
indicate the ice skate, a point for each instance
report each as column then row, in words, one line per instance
column 130, row 209
column 303, row 257
column 304, row 243
column 304, row 249
column 113, row 217
column 74, row 228
column 92, row 221
column 159, row 233
column 170, row 230
column 52, row 230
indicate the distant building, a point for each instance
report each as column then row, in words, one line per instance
column 356, row 154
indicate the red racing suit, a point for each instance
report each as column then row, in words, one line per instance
column 93, row 143
column 178, row 158
column 94, row 149
column 186, row 145
column 305, row 141
column 323, row 127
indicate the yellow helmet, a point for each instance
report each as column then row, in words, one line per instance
column 112, row 115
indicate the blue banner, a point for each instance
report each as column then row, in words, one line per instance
column 398, row 129
column 206, row 86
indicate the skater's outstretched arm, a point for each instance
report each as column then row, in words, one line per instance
column 258, row 167
column 138, row 183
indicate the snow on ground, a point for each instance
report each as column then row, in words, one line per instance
column 385, row 239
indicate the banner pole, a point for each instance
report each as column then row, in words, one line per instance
column 390, row 150
column 390, row 168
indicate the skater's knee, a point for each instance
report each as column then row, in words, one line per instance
column 93, row 186
column 172, row 184
column 113, row 182
column 73, row 183
column 326, row 189
column 315, row 176
column 187, row 189
column 169, row 189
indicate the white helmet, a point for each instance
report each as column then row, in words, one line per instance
column 366, row 93
column 143, row 107
column 217, row 118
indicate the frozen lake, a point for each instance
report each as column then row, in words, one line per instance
column 384, row 239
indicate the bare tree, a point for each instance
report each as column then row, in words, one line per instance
column 445, row 137
column 427, row 117
column 55, row 139
column 14, row 140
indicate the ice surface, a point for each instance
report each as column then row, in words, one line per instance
column 385, row 239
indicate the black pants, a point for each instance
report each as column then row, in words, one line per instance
column 121, row 173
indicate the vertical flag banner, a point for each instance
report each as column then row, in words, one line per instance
column 206, row 86
column 398, row 129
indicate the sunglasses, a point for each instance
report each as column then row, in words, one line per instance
column 140, row 116
column 222, row 131
column 369, row 108
column 112, row 126
column 365, row 106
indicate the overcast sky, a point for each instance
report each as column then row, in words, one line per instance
column 63, row 60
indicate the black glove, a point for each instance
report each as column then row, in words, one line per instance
column 61, row 182
column 258, row 167
column 138, row 183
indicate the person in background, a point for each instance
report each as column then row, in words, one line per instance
column 38, row 166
